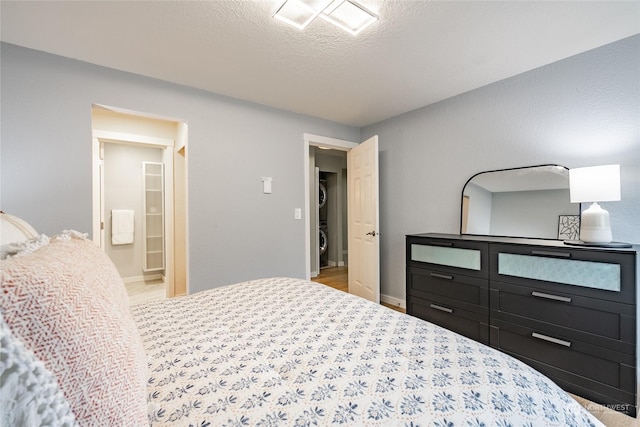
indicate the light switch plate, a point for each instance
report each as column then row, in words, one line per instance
column 266, row 184
column 297, row 213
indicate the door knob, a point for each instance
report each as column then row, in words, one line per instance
column 373, row 233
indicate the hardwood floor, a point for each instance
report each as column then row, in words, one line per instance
column 338, row 278
column 335, row 277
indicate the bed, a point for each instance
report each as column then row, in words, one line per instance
column 268, row 352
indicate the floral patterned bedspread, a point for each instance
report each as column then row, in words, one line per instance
column 287, row 352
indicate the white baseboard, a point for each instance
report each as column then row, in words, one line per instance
column 393, row 301
column 340, row 263
column 132, row 279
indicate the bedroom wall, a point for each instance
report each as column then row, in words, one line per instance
column 45, row 160
column 581, row 111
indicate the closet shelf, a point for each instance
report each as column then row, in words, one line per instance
column 153, row 227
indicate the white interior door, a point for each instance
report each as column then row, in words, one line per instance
column 364, row 244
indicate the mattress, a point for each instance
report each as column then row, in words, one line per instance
column 288, row 352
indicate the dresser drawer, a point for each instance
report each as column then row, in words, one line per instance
column 449, row 256
column 463, row 291
column 604, row 370
column 468, row 323
column 604, row 275
column 604, row 323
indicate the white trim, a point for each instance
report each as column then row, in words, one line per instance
column 129, row 138
column 396, row 302
column 324, row 141
column 139, row 114
column 183, row 143
column 96, row 184
column 169, row 207
column 311, row 140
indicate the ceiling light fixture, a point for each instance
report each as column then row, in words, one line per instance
column 348, row 15
column 299, row 13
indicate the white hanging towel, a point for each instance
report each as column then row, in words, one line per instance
column 121, row 226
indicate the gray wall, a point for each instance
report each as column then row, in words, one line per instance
column 582, row 111
column 46, row 161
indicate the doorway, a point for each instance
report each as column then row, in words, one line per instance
column 327, row 157
column 332, row 267
column 332, row 209
column 139, row 170
column 124, row 194
column 362, row 212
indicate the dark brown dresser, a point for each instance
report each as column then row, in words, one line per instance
column 570, row 312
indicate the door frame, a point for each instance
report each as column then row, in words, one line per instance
column 311, row 140
column 99, row 138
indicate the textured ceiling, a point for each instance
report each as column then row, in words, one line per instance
column 418, row 53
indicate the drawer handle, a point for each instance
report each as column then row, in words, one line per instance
column 441, row 276
column 551, row 339
column 441, row 308
column 549, row 296
column 441, row 243
column 552, row 253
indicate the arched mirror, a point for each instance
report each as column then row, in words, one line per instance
column 530, row 202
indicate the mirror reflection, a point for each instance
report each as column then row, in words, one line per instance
column 521, row 202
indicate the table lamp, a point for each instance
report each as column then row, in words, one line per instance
column 592, row 185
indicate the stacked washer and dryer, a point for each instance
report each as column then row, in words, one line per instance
column 323, row 232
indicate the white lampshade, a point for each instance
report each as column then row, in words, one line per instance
column 595, row 184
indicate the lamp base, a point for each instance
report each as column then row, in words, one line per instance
column 597, row 245
column 595, row 226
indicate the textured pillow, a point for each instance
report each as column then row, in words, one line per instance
column 29, row 393
column 14, row 229
column 67, row 303
column 13, row 233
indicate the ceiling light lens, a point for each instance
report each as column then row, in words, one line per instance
column 346, row 14
column 296, row 13
column 350, row 16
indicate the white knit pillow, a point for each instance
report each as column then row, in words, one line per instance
column 67, row 303
column 14, row 234
column 14, row 229
column 29, row 393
